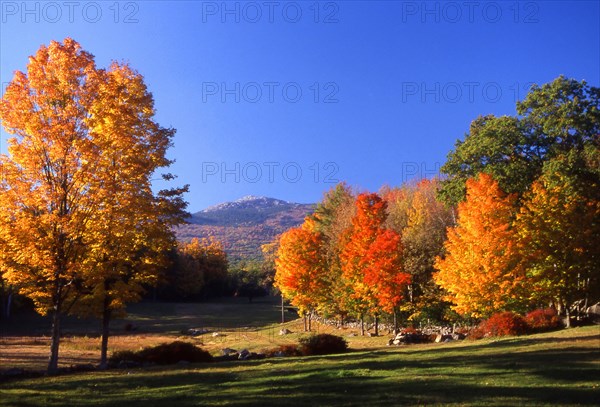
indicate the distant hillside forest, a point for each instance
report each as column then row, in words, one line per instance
column 243, row 226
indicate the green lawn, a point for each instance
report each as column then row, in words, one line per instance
column 559, row 368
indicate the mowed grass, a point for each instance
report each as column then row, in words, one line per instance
column 560, row 368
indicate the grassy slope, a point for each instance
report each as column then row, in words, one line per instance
column 560, row 368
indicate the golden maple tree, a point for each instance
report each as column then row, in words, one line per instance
column 80, row 218
column 559, row 227
column 480, row 269
column 132, row 225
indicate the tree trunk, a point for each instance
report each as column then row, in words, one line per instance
column 396, row 330
column 568, row 313
column 376, row 325
column 53, row 361
column 9, row 298
column 106, row 314
column 304, row 319
column 309, row 322
column 362, row 325
column 282, row 310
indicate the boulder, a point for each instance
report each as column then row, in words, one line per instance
column 197, row 331
column 228, row 351
column 244, row 354
column 593, row 313
column 284, row 331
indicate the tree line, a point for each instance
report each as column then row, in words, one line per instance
column 512, row 224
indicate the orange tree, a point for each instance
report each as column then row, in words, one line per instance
column 480, row 270
column 299, row 268
column 80, row 218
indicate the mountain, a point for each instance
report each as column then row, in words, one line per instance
column 244, row 225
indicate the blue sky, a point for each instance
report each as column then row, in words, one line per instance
column 285, row 98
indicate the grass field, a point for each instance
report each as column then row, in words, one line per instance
column 255, row 326
column 557, row 368
column 561, row 368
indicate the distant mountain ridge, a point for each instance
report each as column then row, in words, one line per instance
column 245, row 224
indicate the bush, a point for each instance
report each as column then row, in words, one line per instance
column 541, row 320
column 284, row 350
column 165, row 354
column 500, row 324
column 322, row 344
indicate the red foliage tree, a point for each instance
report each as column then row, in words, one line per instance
column 371, row 260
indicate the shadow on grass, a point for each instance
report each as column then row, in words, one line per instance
column 156, row 317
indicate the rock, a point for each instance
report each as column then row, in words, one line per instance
column 593, row 313
column 197, row 331
column 215, row 334
column 244, row 354
column 371, row 334
column 228, row 351
column 352, row 334
column 439, row 338
column 284, row 331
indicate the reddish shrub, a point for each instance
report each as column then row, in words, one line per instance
column 284, row 350
column 323, row 344
column 541, row 320
column 500, row 324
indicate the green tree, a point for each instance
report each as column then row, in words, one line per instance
column 554, row 118
column 332, row 217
